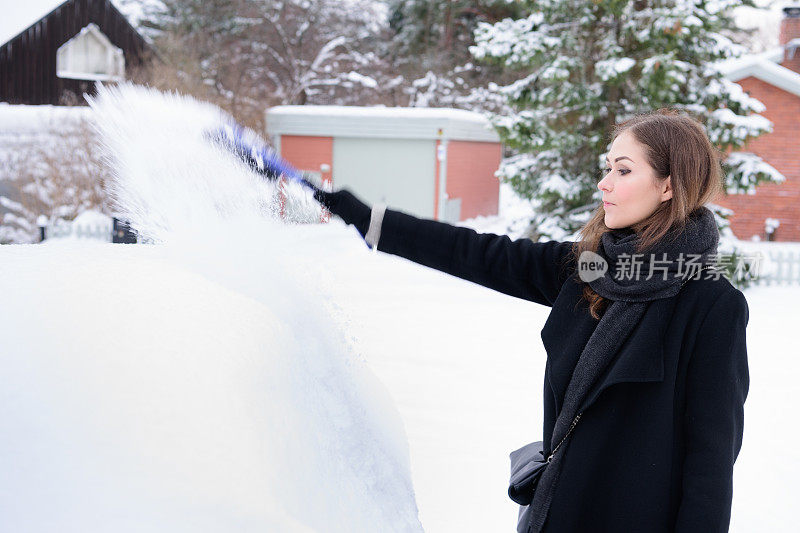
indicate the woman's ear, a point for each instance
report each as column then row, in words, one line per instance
column 666, row 189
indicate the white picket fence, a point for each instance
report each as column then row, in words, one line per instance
column 91, row 225
column 778, row 267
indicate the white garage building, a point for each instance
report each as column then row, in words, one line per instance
column 433, row 163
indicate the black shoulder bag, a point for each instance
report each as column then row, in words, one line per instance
column 527, row 465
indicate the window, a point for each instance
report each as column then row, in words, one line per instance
column 90, row 56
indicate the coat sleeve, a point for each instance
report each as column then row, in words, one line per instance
column 521, row 268
column 716, row 388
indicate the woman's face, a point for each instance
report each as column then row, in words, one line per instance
column 631, row 191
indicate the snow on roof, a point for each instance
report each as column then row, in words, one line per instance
column 773, row 55
column 376, row 111
column 764, row 66
column 383, row 122
column 20, row 15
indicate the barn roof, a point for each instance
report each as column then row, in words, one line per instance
column 20, row 15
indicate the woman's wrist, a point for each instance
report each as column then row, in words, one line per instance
column 375, row 222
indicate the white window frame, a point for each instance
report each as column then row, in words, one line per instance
column 115, row 59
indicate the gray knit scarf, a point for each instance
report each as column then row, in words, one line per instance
column 696, row 244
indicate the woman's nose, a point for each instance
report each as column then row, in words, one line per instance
column 603, row 184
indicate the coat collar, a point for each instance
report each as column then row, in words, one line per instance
column 639, row 359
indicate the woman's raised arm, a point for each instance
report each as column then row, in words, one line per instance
column 522, row 268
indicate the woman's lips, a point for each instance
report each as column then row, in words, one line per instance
column 606, row 204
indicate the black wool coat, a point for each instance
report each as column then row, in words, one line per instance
column 655, row 447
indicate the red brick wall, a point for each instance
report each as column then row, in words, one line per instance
column 470, row 176
column 308, row 153
column 779, row 149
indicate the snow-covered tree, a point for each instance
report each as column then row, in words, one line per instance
column 249, row 54
column 445, row 28
column 429, row 48
column 15, row 224
column 55, row 171
column 587, row 65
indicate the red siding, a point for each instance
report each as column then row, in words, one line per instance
column 779, row 149
column 308, row 153
column 470, row 176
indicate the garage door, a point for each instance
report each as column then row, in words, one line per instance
column 397, row 172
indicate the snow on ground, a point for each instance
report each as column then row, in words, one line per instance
column 25, row 120
column 765, row 476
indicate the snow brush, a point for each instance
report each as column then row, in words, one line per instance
column 264, row 160
column 259, row 156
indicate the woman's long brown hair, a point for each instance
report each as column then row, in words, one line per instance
column 677, row 146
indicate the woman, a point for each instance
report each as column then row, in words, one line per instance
column 647, row 374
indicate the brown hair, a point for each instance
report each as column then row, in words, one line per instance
column 676, row 145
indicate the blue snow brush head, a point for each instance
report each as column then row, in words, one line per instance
column 246, row 145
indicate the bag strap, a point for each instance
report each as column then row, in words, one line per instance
column 571, row 427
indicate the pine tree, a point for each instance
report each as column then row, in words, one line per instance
column 588, row 65
column 430, row 50
column 444, row 28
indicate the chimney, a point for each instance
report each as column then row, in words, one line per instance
column 789, row 37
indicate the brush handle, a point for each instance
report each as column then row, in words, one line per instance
column 264, row 160
column 260, row 157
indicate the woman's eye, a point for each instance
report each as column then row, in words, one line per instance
column 622, row 171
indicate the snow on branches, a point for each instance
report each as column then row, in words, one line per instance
column 586, row 66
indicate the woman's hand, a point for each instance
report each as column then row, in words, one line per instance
column 345, row 205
